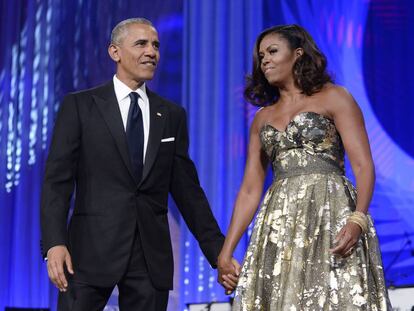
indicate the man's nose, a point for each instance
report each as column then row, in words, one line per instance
column 150, row 51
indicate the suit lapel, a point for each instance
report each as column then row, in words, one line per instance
column 158, row 114
column 108, row 106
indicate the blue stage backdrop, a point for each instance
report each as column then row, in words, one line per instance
column 218, row 40
column 52, row 47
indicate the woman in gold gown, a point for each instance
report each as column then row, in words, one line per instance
column 313, row 245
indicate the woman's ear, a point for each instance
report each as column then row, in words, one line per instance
column 299, row 52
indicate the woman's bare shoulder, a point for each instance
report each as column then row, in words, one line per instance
column 336, row 98
column 336, row 92
column 262, row 115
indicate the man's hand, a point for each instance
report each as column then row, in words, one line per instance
column 228, row 273
column 57, row 256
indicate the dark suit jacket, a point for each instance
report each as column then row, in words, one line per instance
column 89, row 153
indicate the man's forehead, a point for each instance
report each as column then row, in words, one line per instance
column 142, row 29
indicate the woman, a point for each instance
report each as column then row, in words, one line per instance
column 313, row 247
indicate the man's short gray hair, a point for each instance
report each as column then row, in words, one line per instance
column 121, row 28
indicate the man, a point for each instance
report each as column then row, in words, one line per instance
column 123, row 148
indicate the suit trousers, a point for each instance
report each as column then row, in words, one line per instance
column 136, row 291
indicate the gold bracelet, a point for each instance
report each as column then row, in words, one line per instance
column 360, row 214
column 360, row 219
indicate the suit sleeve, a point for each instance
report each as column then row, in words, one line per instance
column 191, row 200
column 59, row 178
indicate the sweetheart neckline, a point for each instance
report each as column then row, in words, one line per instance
column 294, row 118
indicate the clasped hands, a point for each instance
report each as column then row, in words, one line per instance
column 228, row 273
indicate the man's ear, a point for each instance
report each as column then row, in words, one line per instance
column 113, row 52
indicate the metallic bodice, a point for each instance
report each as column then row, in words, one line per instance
column 310, row 144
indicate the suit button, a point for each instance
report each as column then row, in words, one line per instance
column 137, row 193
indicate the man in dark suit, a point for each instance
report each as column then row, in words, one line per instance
column 122, row 148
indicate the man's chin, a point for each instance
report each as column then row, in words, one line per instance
column 148, row 76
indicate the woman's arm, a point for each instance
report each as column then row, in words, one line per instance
column 247, row 201
column 350, row 125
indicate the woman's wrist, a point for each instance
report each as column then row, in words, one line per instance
column 360, row 219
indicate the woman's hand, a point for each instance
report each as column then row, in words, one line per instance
column 346, row 240
column 228, row 273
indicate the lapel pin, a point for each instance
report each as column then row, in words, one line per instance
column 159, row 114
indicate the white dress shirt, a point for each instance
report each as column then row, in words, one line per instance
column 122, row 95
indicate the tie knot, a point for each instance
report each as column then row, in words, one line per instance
column 134, row 97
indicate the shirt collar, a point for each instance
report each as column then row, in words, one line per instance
column 122, row 90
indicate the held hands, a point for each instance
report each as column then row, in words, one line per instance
column 228, row 273
column 57, row 256
column 346, row 240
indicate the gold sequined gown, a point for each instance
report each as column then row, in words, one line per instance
column 288, row 265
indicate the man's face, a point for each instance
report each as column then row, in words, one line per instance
column 137, row 54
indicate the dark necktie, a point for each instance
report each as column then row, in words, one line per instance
column 135, row 136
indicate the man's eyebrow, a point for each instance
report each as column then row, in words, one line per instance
column 141, row 41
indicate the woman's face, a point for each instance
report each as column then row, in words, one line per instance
column 277, row 59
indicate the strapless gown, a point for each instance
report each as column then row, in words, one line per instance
column 288, row 265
